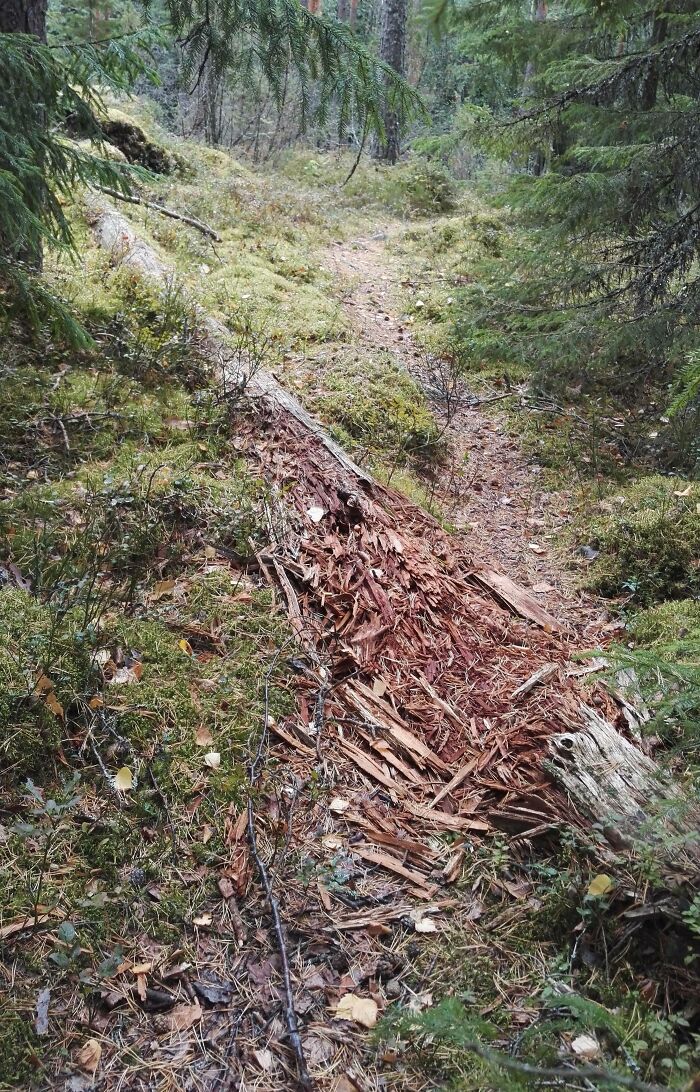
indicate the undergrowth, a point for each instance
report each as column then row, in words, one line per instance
column 133, row 641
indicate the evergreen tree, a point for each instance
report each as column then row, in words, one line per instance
column 612, row 196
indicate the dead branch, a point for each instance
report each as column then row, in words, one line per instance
column 290, row 1014
column 136, row 199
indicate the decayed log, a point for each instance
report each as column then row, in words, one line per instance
column 605, row 776
column 115, row 234
column 615, row 784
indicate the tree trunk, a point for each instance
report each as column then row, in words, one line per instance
column 343, row 11
column 26, row 17
column 392, row 50
column 650, row 83
column 23, row 17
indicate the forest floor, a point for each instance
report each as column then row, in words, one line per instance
column 490, row 491
column 190, row 582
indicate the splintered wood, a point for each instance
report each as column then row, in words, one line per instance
column 440, row 700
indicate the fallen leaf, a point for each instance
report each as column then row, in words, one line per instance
column 536, row 548
column 316, row 514
column 163, row 588
column 683, row 492
column 203, row 919
column 53, row 704
column 264, row 1058
column 361, row 1010
column 41, row 1022
column 204, row 737
column 186, row 647
column 426, row 925
column 212, row 759
column 379, row 687
column 215, row 993
column 586, row 1047
column 226, row 887
column 338, row 805
column 123, row 779
column 89, row 1055
column 600, row 885
column 324, row 896
column 344, row 1084
column 142, row 968
column 184, row 1016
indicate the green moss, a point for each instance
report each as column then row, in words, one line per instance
column 667, row 623
column 414, row 187
column 376, row 407
column 19, row 1047
column 648, row 535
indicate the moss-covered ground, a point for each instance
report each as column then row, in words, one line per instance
column 134, row 639
column 133, row 645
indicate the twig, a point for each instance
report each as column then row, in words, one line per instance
column 359, row 155
column 57, row 421
column 290, row 1015
column 319, row 707
column 135, row 199
column 586, row 1072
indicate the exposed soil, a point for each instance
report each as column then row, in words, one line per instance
column 490, row 491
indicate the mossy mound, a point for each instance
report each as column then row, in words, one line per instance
column 374, row 406
column 648, row 536
column 667, row 623
column 415, row 187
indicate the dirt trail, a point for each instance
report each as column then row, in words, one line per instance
column 490, row 491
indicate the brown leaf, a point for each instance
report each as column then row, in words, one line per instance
column 324, row 896
column 163, row 588
column 21, row 923
column 184, row 1016
column 89, row 1055
column 204, row 737
column 226, row 887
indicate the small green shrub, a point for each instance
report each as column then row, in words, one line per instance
column 649, row 542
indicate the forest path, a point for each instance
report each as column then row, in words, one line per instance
column 489, row 490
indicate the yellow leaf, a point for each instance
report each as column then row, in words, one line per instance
column 361, row 1010
column 600, row 885
column 51, row 702
column 88, row 1057
column 186, row 647
column 123, row 779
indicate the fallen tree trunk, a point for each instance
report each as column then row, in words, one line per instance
column 619, row 787
column 116, row 235
column 449, row 704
